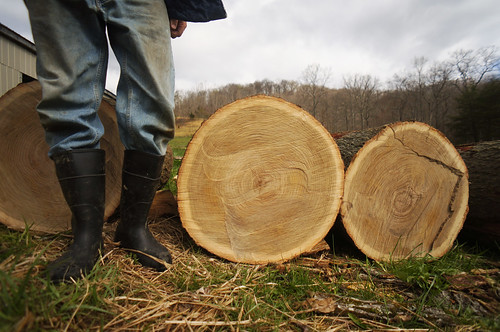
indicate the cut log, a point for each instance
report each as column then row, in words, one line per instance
column 406, row 192
column 164, row 204
column 261, row 181
column 29, row 190
column 483, row 220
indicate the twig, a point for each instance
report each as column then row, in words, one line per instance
column 156, row 259
column 208, row 323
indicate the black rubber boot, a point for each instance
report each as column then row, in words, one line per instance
column 140, row 180
column 81, row 174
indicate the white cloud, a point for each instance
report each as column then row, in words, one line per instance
column 277, row 39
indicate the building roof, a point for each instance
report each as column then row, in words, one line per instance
column 30, row 46
column 17, row 38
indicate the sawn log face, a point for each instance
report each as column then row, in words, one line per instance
column 261, row 181
column 406, row 192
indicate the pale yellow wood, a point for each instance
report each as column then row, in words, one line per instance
column 261, row 181
column 29, row 189
column 406, row 193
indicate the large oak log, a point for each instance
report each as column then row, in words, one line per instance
column 406, row 191
column 483, row 220
column 29, row 189
column 261, row 181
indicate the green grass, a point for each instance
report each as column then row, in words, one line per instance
column 178, row 145
column 201, row 287
column 29, row 300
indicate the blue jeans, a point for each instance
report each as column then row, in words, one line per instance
column 72, row 57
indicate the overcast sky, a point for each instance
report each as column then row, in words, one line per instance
column 278, row 39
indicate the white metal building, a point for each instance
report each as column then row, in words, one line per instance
column 17, row 59
column 18, row 62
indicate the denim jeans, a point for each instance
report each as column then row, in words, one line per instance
column 72, row 58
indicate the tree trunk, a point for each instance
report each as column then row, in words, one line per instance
column 406, row 191
column 29, row 191
column 261, row 181
column 483, row 219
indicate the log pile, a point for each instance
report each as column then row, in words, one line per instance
column 263, row 181
column 405, row 191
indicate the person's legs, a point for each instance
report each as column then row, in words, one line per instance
column 72, row 57
column 71, row 67
column 81, row 175
column 139, row 35
column 140, row 178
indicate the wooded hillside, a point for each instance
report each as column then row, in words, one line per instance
column 459, row 96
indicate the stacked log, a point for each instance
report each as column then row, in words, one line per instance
column 406, row 191
column 406, row 187
column 261, row 181
column 483, row 220
column 29, row 191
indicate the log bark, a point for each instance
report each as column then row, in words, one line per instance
column 406, row 191
column 164, row 204
column 29, row 191
column 261, row 181
column 483, row 220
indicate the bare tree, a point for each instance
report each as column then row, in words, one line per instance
column 400, row 86
column 471, row 66
column 439, row 94
column 314, row 80
column 419, row 88
column 423, row 94
column 362, row 92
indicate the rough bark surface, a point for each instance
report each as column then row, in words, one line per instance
column 351, row 142
column 29, row 190
column 164, row 204
column 483, row 220
column 261, row 181
column 406, row 191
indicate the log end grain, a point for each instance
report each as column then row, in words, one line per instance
column 261, row 181
column 29, row 190
column 406, row 193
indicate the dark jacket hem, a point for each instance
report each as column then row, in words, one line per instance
column 195, row 10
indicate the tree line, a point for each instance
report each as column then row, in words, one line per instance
column 459, row 96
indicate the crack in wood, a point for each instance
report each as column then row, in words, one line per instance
column 459, row 174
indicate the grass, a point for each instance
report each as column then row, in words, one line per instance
column 186, row 127
column 314, row 292
column 183, row 136
column 318, row 291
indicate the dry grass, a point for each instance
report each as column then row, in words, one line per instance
column 200, row 292
column 187, row 126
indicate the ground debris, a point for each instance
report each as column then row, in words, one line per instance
column 475, row 292
column 373, row 310
column 464, row 281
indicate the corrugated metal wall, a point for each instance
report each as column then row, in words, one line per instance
column 14, row 61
